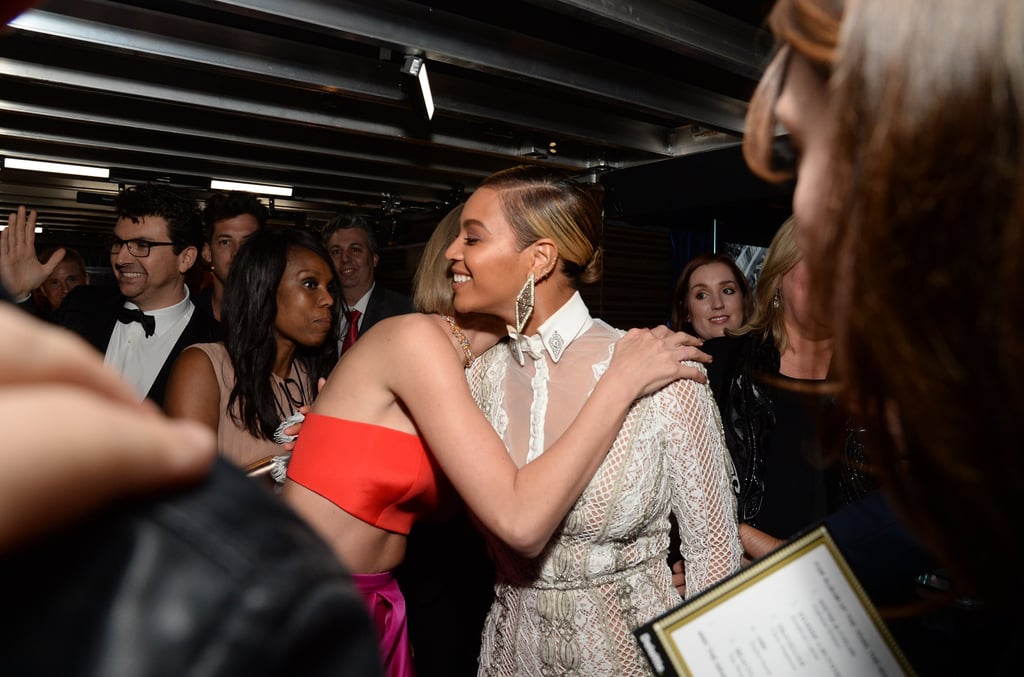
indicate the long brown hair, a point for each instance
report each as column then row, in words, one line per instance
column 680, row 317
column 921, row 264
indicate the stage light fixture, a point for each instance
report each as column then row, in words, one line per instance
column 417, row 67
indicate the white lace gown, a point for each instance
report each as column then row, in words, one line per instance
column 572, row 610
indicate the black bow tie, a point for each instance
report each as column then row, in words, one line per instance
column 129, row 315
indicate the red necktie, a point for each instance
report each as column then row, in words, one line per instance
column 353, row 329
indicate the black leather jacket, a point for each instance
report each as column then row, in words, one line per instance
column 738, row 375
column 746, row 408
column 221, row 579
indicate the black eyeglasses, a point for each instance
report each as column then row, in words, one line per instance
column 138, row 248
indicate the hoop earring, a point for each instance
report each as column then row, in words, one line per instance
column 524, row 303
column 777, row 299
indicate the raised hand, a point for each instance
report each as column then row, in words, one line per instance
column 20, row 270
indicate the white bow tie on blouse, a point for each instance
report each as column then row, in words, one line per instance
column 534, row 346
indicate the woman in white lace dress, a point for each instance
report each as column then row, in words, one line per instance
column 572, row 609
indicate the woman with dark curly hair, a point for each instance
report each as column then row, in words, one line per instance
column 280, row 316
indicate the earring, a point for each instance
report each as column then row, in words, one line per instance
column 524, row 304
column 777, row 299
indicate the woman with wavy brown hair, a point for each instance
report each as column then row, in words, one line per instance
column 712, row 296
column 908, row 126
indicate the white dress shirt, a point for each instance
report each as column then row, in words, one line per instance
column 139, row 359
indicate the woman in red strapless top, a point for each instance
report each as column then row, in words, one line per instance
column 361, row 472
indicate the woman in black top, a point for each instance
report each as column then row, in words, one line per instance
column 768, row 379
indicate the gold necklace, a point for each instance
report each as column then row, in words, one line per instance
column 463, row 341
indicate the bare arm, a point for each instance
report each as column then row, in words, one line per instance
column 20, row 270
column 75, row 434
column 192, row 389
column 523, row 506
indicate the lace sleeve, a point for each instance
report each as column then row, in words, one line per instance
column 702, row 495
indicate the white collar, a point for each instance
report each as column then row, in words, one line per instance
column 555, row 335
column 168, row 316
column 364, row 300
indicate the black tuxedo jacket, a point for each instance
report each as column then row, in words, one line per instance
column 91, row 312
column 384, row 303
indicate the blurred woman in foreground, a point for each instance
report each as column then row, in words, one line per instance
column 907, row 126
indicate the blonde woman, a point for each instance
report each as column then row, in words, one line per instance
column 569, row 604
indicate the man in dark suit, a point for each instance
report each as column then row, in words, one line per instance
column 143, row 325
column 352, row 245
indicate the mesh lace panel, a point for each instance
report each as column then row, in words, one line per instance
column 572, row 610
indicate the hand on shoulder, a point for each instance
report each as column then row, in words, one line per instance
column 647, row 360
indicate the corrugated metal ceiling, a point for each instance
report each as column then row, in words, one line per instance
column 310, row 93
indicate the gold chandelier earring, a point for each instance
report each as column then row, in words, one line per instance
column 524, row 303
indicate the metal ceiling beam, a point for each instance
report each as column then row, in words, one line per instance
column 467, row 43
column 227, row 104
column 361, row 78
column 117, row 29
column 681, row 26
column 271, row 146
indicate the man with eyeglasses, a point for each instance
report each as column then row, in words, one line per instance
column 143, row 325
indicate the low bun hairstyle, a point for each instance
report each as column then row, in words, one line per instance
column 541, row 203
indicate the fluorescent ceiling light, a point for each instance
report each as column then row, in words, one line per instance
column 56, row 168
column 39, row 229
column 415, row 65
column 283, row 191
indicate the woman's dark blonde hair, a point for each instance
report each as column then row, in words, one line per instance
column 767, row 321
column 920, row 264
column 432, row 282
column 540, row 203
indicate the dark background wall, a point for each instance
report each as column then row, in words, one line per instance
column 657, row 217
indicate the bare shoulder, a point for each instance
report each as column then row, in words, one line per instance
column 193, row 386
column 399, row 349
column 404, row 330
column 198, row 356
column 398, row 322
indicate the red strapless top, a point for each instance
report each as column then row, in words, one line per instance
column 384, row 477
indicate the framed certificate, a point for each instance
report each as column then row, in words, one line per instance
column 798, row 611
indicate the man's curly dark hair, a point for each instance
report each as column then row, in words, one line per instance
column 184, row 227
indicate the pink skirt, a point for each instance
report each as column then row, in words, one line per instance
column 387, row 608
